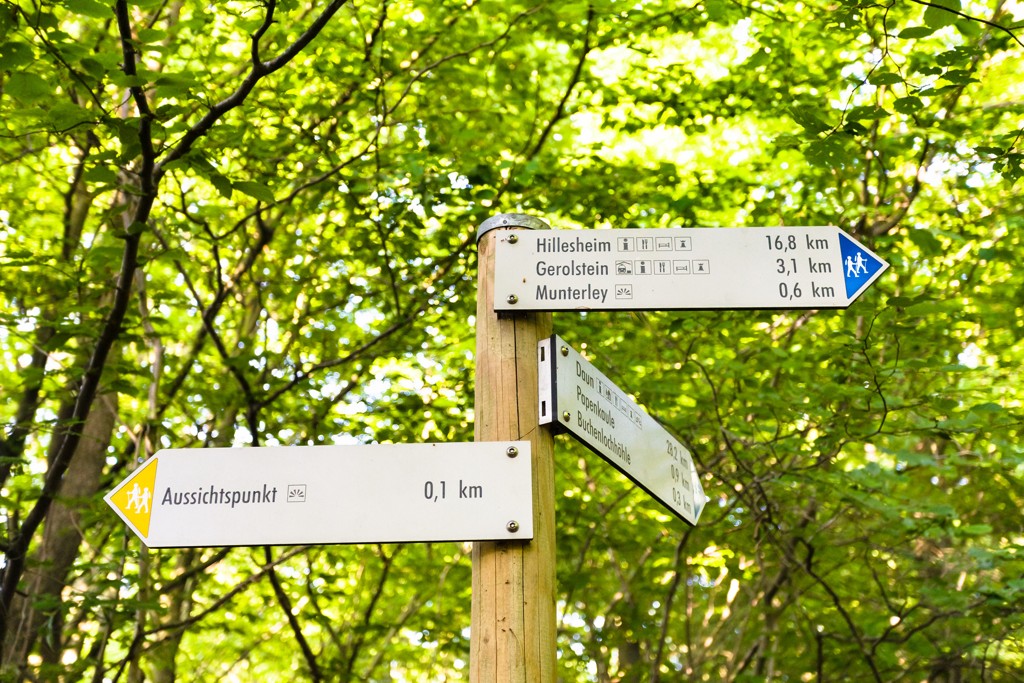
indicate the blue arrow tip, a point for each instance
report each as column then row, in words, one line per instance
column 860, row 266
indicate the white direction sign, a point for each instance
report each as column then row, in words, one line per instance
column 299, row 495
column 681, row 268
column 578, row 396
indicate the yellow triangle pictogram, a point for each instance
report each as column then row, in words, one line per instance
column 134, row 498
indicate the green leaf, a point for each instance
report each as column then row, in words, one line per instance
column 969, row 27
column 988, row 407
column 151, row 35
column 908, row 105
column 938, row 14
column 123, row 80
column 867, row 113
column 787, row 141
column 223, row 185
column 827, row 152
column 914, row 32
column 14, row 54
column 809, row 117
column 100, row 173
column 909, row 300
column 122, row 386
column 94, row 68
column 128, row 136
column 960, row 76
column 136, row 228
column 176, row 80
column 65, row 115
column 885, row 78
column 951, row 57
column 46, row 20
column 7, row 19
column 855, row 128
column 27, row 87
column 1012, row 166
column 91, row 8
column 175, row 86
column 255, row 190
column 926, row 241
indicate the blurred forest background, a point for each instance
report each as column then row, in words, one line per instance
column 249, row 223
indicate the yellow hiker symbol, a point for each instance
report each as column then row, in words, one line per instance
column 134, row 497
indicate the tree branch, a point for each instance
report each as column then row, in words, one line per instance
column 409, row 317
column 259, row 71
column 129, row 68
column 360, row 637
column 293, row 622
column 964, row 15
column 573, row 82
column 677, row 577
column 838, row 604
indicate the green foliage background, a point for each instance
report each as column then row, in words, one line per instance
column 254, row 223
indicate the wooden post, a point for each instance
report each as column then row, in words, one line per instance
column 513, row 610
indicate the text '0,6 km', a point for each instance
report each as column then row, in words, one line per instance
column 681, row 268
column 296, row 495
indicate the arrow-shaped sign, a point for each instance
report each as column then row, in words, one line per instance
column 580, row 398
column 681, row 268
column 298, row 495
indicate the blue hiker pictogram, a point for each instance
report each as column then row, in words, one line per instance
column 860, row 266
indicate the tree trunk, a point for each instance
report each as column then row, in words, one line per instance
column 39, row 610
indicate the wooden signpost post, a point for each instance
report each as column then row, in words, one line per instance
column 512, row 632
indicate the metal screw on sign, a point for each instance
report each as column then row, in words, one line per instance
column 511, row 451
column 565, row 350
column 512, row 239
column 512, row 526
column 566, row 416
column 512, row 298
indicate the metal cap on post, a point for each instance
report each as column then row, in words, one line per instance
column 510, row 220
column 512, row 634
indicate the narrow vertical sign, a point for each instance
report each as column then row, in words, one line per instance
column 580, row 398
